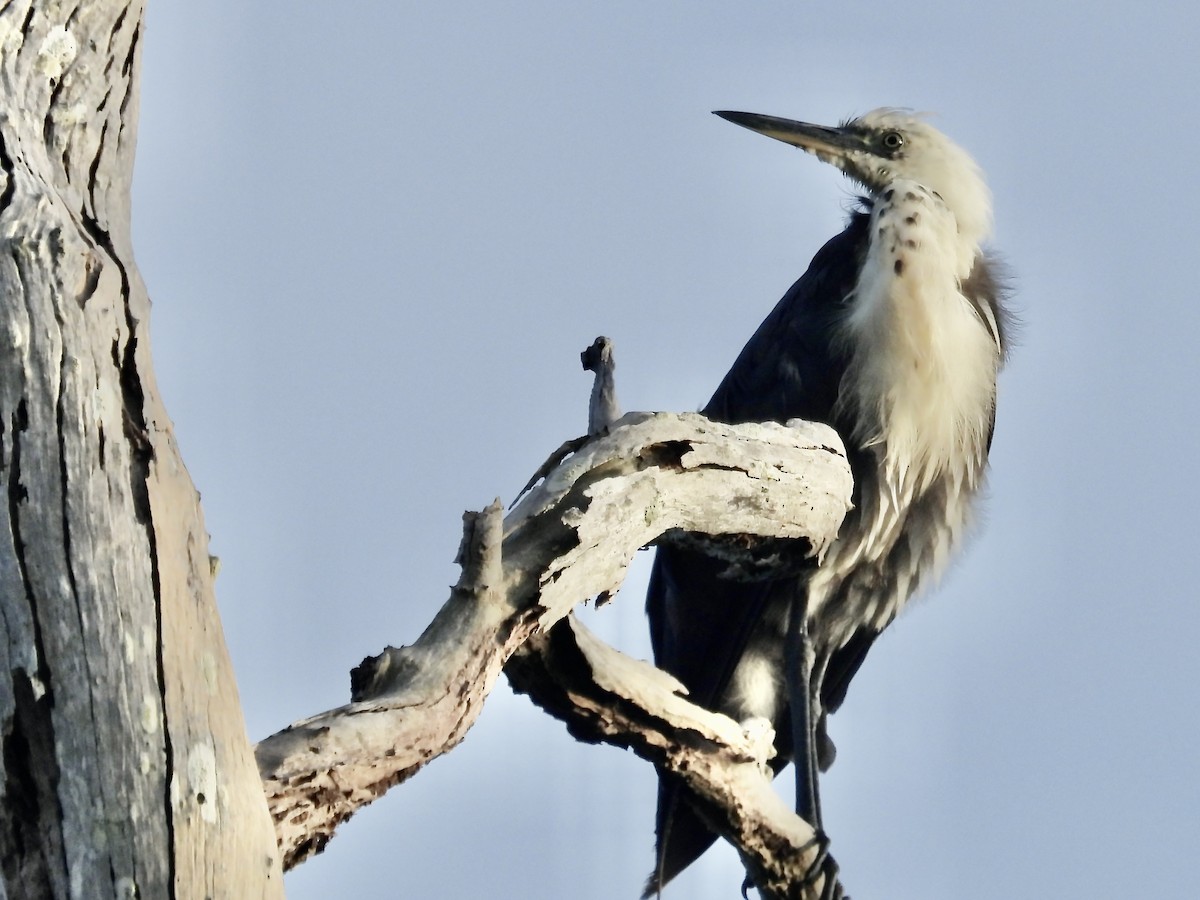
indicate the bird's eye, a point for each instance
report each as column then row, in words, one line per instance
column 893, row 140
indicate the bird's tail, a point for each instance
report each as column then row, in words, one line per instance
column 681, row 836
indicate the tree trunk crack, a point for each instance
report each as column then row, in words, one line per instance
column 17, row 494
column 101, row 235
column 48, row 122
column 25, row 26
column 127, row 65
column 117, row 23
column 30, row 764
column 30, row 834
column 10, row 186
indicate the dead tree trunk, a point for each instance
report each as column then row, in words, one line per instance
column 125, row 768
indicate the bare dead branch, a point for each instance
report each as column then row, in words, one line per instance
column 570, row 539
column 603, row 408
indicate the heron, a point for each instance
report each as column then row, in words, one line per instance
column 894, row 336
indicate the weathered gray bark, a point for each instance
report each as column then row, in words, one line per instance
column 569, row 540
column 125, row 768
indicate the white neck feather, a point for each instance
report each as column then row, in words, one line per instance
column 923, row 365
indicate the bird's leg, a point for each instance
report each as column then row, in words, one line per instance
column 798, row 663
column 799, row 659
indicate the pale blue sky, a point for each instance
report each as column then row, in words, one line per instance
column 377, row 236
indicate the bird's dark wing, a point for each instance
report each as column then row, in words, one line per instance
column 699, row 623
column 792, row 367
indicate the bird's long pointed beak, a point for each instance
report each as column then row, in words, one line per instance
column 829, row 144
